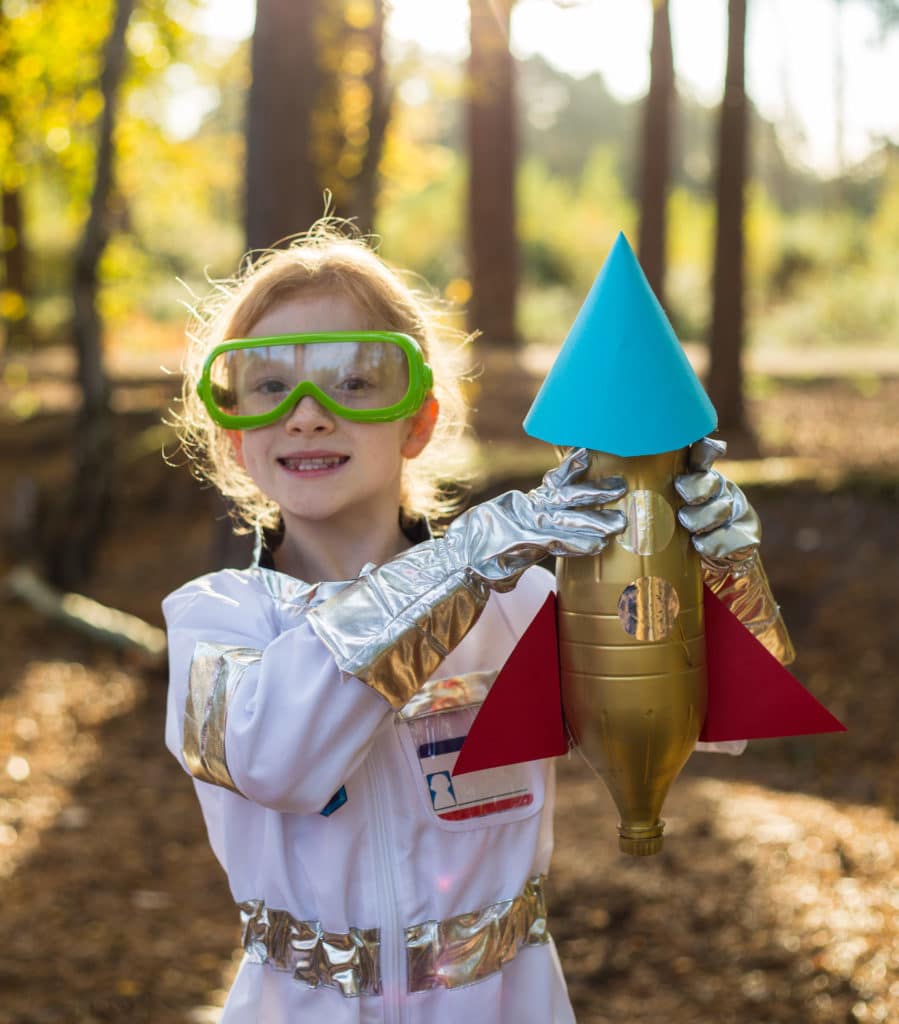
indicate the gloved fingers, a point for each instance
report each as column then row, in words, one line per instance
column 704, row 452
column 697, row 488
column 569, row 469
column 725, row 526
column 587, row 493
column 563, row 487
column 730, row 544
column 735, row 538
column 578, row 531
column 710, row 515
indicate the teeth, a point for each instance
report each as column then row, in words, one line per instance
column 321, row 462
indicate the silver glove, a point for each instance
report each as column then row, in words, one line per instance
column 393, row 626
column 726, row 532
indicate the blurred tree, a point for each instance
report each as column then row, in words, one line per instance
column 566, row 118
column 71, row 550
column 493, row 154
column 14, row 297
column 283, row 192
column 888, row 12
column 655, row 170
column 318, row 109
column 364, row 102
column 50, row 103
column 41, row 110
column 725, row 378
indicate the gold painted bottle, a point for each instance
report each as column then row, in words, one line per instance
column 632, row 647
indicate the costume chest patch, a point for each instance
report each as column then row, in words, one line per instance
column 438, row 725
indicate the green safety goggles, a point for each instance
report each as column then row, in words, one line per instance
column 368, row 376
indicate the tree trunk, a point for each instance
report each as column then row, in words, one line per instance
column 283, row 193
column 15, row 259
column 492, row 146
column 13, row 251
column 725, row 381
column 294, row 141
column 365, row 190
column 658, row 116
column 77, row 534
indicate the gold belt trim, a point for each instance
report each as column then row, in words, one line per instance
column 448, row 954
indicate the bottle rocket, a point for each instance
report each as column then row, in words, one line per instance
column 631, row 637
column 646, row 658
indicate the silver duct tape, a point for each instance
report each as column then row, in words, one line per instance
column 650, row 522
column 215, row 672
column 287, row 590
column 745, row 590
column 392, row 629
column 454, row 692
column 465, row 949
column 347, row 961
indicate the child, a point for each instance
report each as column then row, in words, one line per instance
column 321, row 718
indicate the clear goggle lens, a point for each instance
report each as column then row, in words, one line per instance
column 356, row 375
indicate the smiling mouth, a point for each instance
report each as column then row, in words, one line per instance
column 312, row 463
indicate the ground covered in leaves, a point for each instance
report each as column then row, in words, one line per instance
column 775, row 901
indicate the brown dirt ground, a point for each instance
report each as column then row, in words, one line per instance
column 776, row 900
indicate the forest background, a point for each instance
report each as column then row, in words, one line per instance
column 821, row 251
column 140, row 156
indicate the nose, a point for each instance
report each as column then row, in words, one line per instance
column 309, row 417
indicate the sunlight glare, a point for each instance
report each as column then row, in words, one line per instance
column 227, row 20
column 790, row 81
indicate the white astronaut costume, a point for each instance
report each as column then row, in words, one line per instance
column 322, row 723
column 373, row 886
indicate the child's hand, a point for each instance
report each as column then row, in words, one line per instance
column 724, row 526
column 726, row 532
column 562, row 517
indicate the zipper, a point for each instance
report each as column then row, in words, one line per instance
column 393, row 972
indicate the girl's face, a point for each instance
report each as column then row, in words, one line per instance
column 316, row 465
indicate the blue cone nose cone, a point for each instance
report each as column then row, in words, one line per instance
column 621, row 382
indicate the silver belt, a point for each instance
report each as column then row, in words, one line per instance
column 439, row 954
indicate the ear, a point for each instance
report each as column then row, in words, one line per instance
column 421, row 427
column 236, row 439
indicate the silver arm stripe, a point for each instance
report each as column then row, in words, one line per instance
column 215, row 672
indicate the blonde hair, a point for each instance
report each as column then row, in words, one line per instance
column 330, row 258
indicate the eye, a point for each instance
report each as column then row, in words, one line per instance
column 269, row 386
column 355, row 382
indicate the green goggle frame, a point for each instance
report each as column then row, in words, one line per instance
column 421, row 380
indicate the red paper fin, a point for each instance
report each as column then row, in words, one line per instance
column 521, row 719
column 751, row 695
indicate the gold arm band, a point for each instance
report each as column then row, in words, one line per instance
column 215, row 672
column 745, row 590
column 392, row 638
